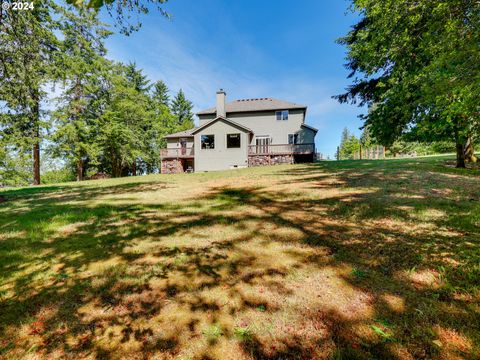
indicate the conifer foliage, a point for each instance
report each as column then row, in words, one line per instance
column 61, row 97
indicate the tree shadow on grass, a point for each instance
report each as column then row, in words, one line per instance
column 246, row 272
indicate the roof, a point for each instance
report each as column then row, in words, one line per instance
column 262, row 104
column 224, row 119
column 309, row 127
column 185, row 133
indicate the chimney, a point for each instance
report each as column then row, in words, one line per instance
column 221, row 94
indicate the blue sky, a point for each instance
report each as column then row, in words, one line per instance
column 250, row 48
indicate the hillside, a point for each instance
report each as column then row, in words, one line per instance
column 349, row 259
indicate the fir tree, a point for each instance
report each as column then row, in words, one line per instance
column 137, row 79
column 160, row 93
column 28, row 46
column 82, row 61
column 182, row 109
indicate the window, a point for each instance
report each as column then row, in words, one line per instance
column 208, row 141
column 282, row 115
column 233, row 141
column 293, row 138
column 262, row 141
column 262, row 145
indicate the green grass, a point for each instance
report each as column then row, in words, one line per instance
column 350, row 259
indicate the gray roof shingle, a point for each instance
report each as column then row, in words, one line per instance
column 185, row 133
column 262, row 104
column 231, row 122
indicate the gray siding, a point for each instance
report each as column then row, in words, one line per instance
column 220, row 158
column 306, row 136
column 175, row 143
column 264, row 123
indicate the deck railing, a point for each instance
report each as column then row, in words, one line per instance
column 177, row 153
column 282, row 149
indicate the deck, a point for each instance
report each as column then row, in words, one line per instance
column 281, row 149
column 180, row 153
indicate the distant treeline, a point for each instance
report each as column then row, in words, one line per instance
column 63, row 101
column 350, row 147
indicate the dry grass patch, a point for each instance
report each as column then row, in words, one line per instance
column 366, row 259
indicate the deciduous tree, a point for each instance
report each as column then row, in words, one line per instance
column 415, row 64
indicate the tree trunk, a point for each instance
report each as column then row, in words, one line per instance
column 79, row 170
column 460, row 156
column 36, row 163
column 134, row 168
column 470, row 151
column 460, row 146
column 36, row 142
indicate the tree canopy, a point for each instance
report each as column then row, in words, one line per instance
column 349, row 145
column 415, row 65
column 61, row 98
column 122, row 10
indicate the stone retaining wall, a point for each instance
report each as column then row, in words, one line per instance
column 263, row 160
column 171, row 166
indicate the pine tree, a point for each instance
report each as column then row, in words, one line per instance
column 182, row 109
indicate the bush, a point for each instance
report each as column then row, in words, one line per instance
column 420, row 148
column 57, row 176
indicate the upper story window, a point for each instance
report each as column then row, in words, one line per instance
column 233, row 141
column 208, row 141
column 293, row 138
column 281, row 115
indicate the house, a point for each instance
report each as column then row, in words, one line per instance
column 241, row 133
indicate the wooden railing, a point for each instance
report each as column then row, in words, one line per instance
column 281, row 149
column 177, row 153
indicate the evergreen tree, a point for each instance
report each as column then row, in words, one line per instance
column 349, row 144
column 366, row 139
column 136, row 77
column 28, row 46
column 163, row 123
column 82, row 64
column 121, row 125
column 345, row 136
column 160, row 93
column 121, row 10
column 140, row 83
column 182, row 109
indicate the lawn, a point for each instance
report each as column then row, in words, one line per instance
column 365, row 259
